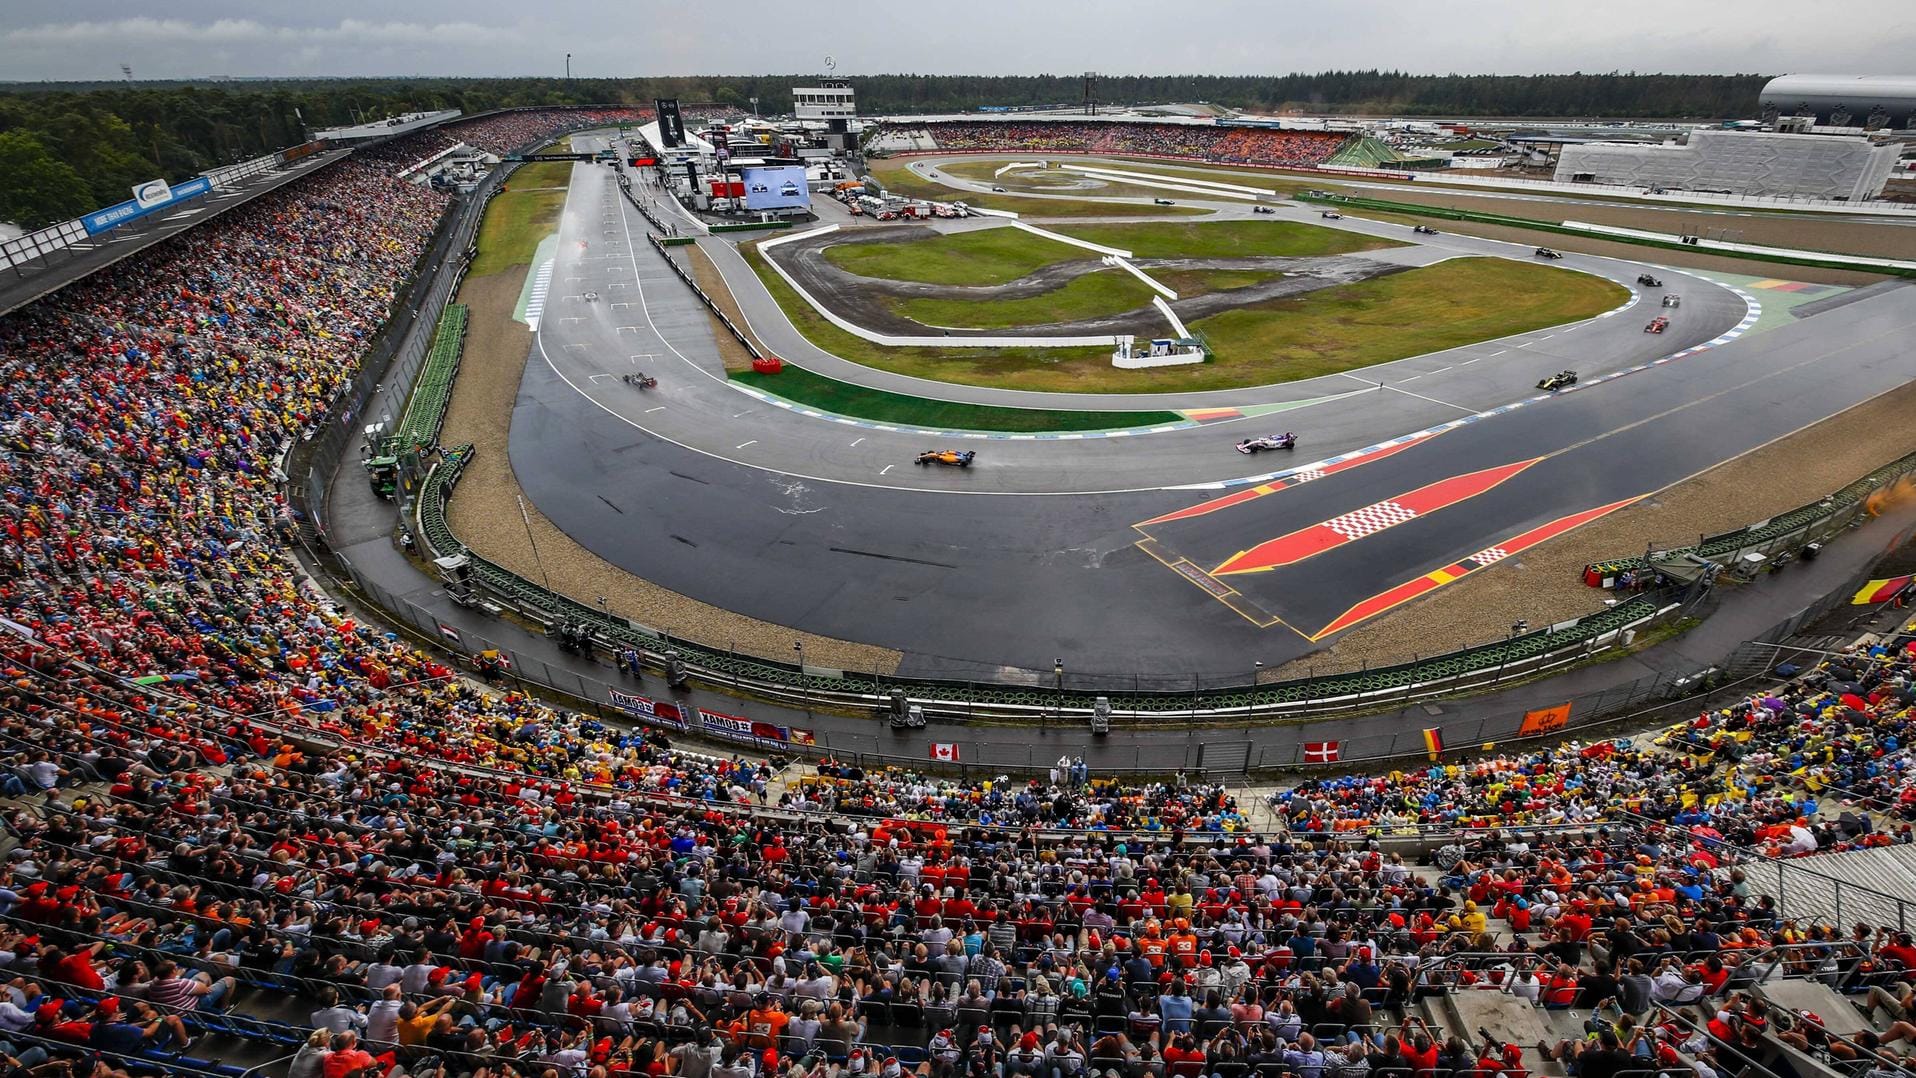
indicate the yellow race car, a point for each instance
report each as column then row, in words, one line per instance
column 955, row 458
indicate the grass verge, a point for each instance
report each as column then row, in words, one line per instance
column 997, row 255
column 520, row 216
column 801, row 386
column 1094, row 295
column 984, row 257
column 1227, row 239
column 1461, row 301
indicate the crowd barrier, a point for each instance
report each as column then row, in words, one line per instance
column 1815, row 522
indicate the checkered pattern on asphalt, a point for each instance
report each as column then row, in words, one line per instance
column 1485, row 557
column 1370, row 520
column 1305, row 475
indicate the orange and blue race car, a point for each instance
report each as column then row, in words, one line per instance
column 955, row 458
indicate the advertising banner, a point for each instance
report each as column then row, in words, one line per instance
column 658, row 712
column 739, row 728
column 671, row 124
column 153, row 197
column 780, row 187
column 152, row 194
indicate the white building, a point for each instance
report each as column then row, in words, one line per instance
column 1757, row 163
column 832, row 101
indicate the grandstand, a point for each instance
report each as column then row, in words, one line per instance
column 1206, row 142
column 244, row 828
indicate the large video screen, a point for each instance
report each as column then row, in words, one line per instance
column 777, row 188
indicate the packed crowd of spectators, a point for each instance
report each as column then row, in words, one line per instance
column 1236, row 145
column 1751, row 773
column 451, row 923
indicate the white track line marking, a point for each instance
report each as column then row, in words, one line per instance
column 854, row 445
column 660, row 408
column 1433, row 400
column 886, row 468
column 742, row 445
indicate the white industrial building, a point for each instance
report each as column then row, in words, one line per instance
column 1758, row 163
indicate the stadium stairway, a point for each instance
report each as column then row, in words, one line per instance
column 1817, row 891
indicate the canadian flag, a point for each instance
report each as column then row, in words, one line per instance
column 1321, row 752
column 945, row 751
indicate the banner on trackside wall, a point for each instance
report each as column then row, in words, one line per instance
column 739, row 728
column 150, row 197
column 1323, row 752
column 1543, row 720
column 657, row 712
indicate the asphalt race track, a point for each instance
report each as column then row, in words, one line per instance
column 1097, row 550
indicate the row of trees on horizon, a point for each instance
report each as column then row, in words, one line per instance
column 69, row 148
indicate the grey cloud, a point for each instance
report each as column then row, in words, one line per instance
column 89, row 39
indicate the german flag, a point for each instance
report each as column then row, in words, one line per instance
column 1881, row 591
column 1434, row 742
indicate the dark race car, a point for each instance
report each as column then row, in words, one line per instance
column 1560, row 380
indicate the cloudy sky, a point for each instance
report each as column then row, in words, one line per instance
column 90, row 39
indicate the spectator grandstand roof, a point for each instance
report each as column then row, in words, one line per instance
column 397, row 125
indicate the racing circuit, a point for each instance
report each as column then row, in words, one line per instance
column 1157, row 550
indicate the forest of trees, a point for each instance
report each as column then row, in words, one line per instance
column 68, row 148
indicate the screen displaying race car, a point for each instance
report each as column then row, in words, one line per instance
column 780, row 187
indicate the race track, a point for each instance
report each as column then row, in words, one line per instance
column 1061, row 547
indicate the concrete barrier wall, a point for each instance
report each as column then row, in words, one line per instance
column 1142, row 180
column 1086, row 244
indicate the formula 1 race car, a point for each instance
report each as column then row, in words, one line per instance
column 1263, row 209
column 1671, row 299
column 1560, row 380
column 1331, row 215
column 1424, row 230
column 1162, row 202
column 954, row 458
column 1287, row 440
column 1545, row 252
column 1648, row 281
column 1657, row 325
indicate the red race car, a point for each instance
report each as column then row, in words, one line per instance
column 1657, row 325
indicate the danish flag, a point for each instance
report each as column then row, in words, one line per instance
column 1321, row 752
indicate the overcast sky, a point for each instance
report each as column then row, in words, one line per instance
column 90, row 39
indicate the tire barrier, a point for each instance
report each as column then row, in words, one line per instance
column 432, row 393
column 1799, row 527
